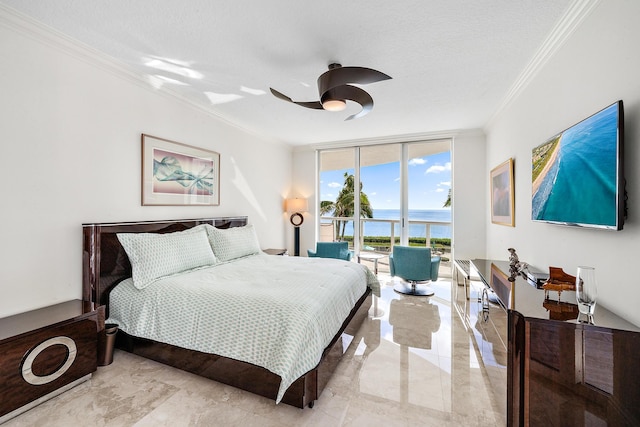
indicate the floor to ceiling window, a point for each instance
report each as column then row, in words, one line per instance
column 380, row 176
column 337, row 180
column 402, row 192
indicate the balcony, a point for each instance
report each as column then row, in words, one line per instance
column 420, row 234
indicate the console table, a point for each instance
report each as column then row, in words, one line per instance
column 561, row 369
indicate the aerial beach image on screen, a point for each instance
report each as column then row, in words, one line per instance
column 574, row 173
column 543, row 158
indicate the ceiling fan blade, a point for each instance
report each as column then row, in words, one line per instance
column 352, row 93
column 340, row 76
column 280, row 95
column 316, row 105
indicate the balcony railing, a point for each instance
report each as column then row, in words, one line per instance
column 383, row 244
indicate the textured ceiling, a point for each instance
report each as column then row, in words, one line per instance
column 452, row 61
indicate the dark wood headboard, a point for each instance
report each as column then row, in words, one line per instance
column 104, row 261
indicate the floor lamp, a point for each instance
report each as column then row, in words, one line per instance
column 295, row 207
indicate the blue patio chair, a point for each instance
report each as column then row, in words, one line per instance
column 414, row 265
column 338, row 250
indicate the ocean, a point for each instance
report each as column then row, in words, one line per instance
column 415, row 230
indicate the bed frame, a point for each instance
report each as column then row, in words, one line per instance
column 105, row 264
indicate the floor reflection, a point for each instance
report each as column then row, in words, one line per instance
column 414, row 320
column 405, row 366
column 425, row 360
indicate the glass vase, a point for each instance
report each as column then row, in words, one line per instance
column 586, row 290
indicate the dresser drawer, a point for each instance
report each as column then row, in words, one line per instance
column 36, row 363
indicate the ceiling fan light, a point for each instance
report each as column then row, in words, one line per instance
column 334, row 104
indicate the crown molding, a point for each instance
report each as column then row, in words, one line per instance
column 577, row 11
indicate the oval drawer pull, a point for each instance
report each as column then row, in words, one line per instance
column 34, row 379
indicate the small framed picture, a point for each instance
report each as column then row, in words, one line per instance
column 502, row 195
column 178, row 174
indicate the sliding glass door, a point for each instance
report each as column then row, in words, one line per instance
column 400, row 191
column 380, row 176
column 428, row 200
column 337, row 194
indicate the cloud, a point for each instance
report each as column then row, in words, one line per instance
column 373, row 194
column 334, row 185
column 445, row 184
column 439, row 190
column 439, row 168
column 417, row 161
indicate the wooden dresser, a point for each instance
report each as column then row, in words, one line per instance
column 45, row 352
column 561, row 369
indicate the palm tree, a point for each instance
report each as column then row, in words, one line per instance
column 447, row 204
column 344, row 204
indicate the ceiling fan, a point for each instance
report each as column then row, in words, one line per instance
column 335, row 89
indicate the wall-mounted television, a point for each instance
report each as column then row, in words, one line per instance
column 578, row 175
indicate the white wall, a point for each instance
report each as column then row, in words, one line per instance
column 469, row 208
column 70, row 136
column 304, row 185
column 598, row 65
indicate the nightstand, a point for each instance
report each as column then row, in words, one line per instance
column 46, row 352
column 275, row 251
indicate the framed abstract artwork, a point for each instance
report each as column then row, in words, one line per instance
column 502, row 195
column 178, row 174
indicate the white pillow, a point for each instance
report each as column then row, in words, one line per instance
column 154, row 256
column 232, row 243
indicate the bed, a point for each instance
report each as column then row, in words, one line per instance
column 108, row 279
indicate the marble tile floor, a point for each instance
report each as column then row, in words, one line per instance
column 413, row 363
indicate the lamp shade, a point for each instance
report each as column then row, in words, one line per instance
column 297, row 205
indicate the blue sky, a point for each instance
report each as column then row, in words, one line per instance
column 429, row 183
